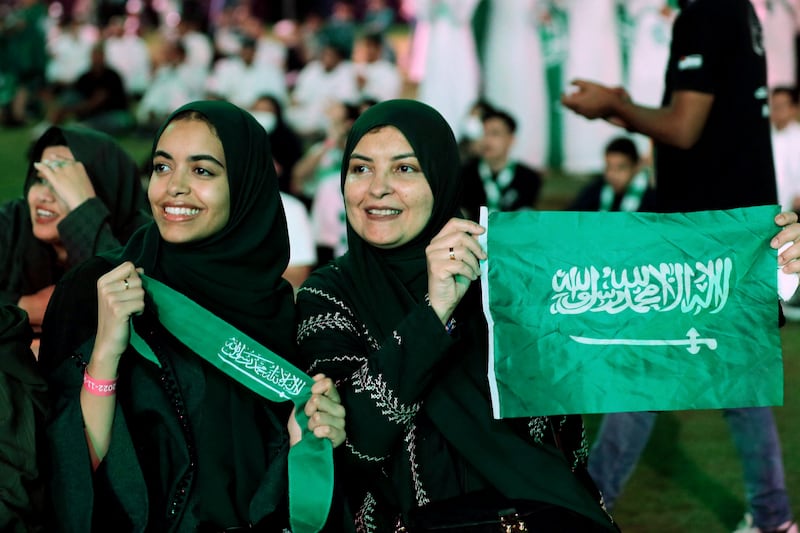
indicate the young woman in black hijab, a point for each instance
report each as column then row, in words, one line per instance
column 82, row 196
column 172, row 443
column 398, row 325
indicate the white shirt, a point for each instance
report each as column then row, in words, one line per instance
column 315, row 89
column 271, row 52
column 383, row 80
column 242, row 84
column 70, row 56
column 328, row 216
column 172, row 86
column 302, row 251
column 130, row 57
column 786, row 152
column 199, row 50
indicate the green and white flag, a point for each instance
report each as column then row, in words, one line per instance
column 611, row 312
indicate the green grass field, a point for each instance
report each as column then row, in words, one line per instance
column 689, row 479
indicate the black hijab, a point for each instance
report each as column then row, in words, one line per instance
column 236, row 272
column 396, row 279
column 113, row 173
column 384, row 285
column 33, row 264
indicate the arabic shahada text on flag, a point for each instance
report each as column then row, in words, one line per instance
column 612, row 312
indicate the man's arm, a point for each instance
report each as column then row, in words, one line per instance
column 679, row 124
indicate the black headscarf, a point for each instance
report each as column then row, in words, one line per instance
column 384, row 285
column 397, row 278
column 236, row 272
column 33, row 264
column 113, row 173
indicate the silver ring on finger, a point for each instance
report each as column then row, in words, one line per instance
column 452, row 254
column 127, row 285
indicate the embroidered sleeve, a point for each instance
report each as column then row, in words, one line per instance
column 381, row 382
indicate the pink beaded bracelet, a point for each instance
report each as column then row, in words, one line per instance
column 99, row 387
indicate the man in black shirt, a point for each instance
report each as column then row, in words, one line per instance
column 712, row 151
column 711, row 134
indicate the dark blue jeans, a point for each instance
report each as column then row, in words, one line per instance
column 623, row 436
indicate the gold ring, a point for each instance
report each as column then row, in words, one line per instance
column 127, row 285
column 452, row 255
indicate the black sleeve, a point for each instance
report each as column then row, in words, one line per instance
column 382, row 382
column 695, row 53
column 68, row 332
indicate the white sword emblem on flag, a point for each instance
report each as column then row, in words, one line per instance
column 693, row 342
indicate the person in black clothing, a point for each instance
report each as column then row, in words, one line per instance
column 494, row 179
column 97, row 99
column 712, row 150
column 179, row 445
column 287, row 146
column 397, row 322
column 623, row 185
column 711, row 134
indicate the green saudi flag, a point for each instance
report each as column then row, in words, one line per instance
column 610, row 312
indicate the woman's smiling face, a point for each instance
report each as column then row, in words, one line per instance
column 188, row 192
column 387, row 197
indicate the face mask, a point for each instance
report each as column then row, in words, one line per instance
column 472, row 129
column 267, row 119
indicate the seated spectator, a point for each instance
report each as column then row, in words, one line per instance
column 240, row 80
column 288, row 32
column 198, row 45
column 70, row 54
column 189, row 446
column 378, row 78
column 97, row 99
column 396, row 323
column 287, row 147
column 325, row 80
column 127, row 53
column 82, row 196
column 316, row 179
column 175, row 82
column 623, row 186
column 270, row 51
column 494, row 179
column 323, row 159
column 226, row 34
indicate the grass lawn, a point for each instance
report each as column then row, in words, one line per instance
column 689, row 479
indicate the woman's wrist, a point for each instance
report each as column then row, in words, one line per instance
column 103, row 367
column 444, row 312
